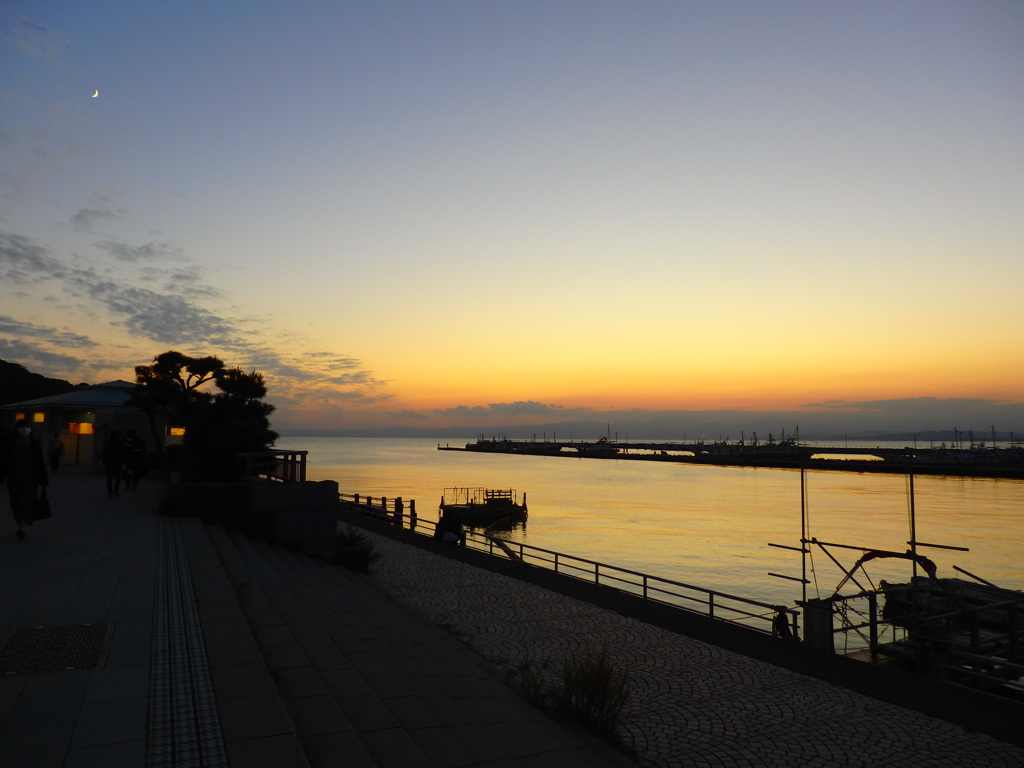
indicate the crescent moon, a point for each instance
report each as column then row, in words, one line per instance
column 97, row 93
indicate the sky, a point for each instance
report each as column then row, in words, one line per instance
column 490, row 213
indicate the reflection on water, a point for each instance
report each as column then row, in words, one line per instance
column 707, row 526
column 507, row 528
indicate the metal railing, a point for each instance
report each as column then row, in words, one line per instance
column 973, row 646
column 722, row 606
column 276, row 466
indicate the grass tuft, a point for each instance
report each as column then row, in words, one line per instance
column 593, row 693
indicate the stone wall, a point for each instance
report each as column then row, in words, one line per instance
column 303, row 515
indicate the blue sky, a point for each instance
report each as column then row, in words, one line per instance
column 404, row 212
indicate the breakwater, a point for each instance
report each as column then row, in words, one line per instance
column 786, row 454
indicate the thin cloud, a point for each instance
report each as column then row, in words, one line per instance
column 186, row 281
column 25, row 353
column 515, row 409
column 13, row 327
column 356, row 378
column 161, row 317
column 322, row 379
column 171, row 307
column 86, row 218
column 313, row 368
column 22, row 261
column 146, row 252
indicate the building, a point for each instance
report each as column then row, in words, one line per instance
column 79, row 420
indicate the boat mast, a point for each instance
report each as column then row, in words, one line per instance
column 803, row 530
column 913, row 523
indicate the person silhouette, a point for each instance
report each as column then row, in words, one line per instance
column 135, row 464
column 113, row 462
column 23, row 467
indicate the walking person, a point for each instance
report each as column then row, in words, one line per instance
column 135, row 464
column 113, row 462
column 23, row 467
column 56, row 452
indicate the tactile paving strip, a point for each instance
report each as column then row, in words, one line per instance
column 184, row 727
column 61, row 648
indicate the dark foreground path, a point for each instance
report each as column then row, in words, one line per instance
column 129, row 639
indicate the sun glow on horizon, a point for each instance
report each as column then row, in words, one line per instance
column 487, row 211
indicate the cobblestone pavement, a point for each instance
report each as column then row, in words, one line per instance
column 691, row 704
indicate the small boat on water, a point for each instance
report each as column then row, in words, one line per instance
column 482, row 506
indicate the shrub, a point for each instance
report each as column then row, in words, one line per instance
column 355, row 550
column 593, row 693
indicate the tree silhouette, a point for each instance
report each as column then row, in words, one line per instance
column 233, row 421
column 179, row 372
column 170, row 385
column 218, row 424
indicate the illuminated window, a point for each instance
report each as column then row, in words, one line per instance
column 80, row 428
column 176, row 431
column 19, row 416
column 38, row 418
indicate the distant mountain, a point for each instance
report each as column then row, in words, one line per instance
column 17, row 383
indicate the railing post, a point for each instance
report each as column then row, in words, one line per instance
column 873, row 619
column 1011, row 615
column 355, row 498
column 412, row 514
column 711, row 605
column 399, row 509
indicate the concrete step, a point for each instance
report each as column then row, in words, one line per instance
column 324, row 648
column 256, row 726
column 319, row 726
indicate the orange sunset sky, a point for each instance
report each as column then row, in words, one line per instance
column 490, row 214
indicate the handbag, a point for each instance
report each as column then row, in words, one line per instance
column 41, row 507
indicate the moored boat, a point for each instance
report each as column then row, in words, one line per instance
column 482, row 506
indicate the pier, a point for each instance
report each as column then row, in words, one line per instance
column 785, row 454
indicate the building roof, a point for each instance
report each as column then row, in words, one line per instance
column 112, row 394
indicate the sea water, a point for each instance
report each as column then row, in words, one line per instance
column 706, row 526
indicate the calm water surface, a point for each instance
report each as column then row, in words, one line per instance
column 706, row 526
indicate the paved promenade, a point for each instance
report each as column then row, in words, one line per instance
column 693, row 705
column 131, row 639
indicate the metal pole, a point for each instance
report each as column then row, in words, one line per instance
column 913, row 523
column 803, row 530
column 873, row 619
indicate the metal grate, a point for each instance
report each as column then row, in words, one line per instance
column 31, row 650
column 184, row 726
